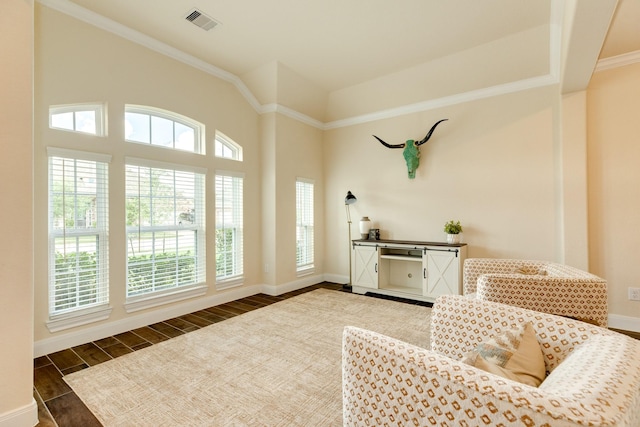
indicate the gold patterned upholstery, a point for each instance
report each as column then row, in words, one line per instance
column 538, row 285
column 593, row 373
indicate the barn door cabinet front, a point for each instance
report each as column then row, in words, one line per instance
column 415, row 270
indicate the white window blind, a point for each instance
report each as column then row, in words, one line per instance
column 78, row 231
column 304, row 225
column 165, row 211
column 229, row 227
column 154, row 126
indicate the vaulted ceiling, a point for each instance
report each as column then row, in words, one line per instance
column 336, row 44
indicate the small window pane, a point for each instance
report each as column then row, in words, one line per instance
column 62, row 121
column 161, row 132
column 86, row 121
column 137, row 127
column 185, row 137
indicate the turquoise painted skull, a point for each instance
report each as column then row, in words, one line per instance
column 411, row 150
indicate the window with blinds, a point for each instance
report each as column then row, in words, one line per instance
column 78, row 231
column 229, row 229
column 165, row 208
column 304, row 226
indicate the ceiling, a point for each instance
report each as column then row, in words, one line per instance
column 335, row 44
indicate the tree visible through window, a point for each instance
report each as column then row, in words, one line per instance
column 165, row 229
column 229, row 229
column 78, row 230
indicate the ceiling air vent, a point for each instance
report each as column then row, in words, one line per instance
column 201, row 20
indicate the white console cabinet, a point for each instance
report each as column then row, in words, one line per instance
column 415, row 270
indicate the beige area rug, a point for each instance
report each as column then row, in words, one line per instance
column 279, row 365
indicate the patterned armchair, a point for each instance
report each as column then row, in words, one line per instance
column 593, row 373
column 538, row 285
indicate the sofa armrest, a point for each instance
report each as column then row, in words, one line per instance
column 459, row 324
column 387, row 381
column 581, row 298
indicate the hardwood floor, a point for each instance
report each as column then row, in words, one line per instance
column 59, row 406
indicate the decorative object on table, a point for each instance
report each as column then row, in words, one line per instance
column 365, row 226
column 411, row 150
column 374, row 234
column 349, row 200
column 453, row 230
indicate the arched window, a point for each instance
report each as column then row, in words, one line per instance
column 226, row 148
column 85, row 118
column 154, row 126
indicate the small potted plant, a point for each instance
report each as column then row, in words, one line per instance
column 453, row 230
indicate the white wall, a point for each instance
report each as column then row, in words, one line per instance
column 17, row 407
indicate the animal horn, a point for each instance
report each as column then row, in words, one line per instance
column 426, row 138
column 389, row 145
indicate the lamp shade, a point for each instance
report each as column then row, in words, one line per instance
column 350, row 198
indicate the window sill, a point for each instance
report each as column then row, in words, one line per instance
column 230, row 283
column 143, row 302
column 78, row 318
column 305, row 272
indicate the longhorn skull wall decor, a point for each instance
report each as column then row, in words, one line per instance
column 411, row 150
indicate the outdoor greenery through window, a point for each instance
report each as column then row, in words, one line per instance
column 165, row 228
column 85, row 118
column 78, row 231
column 163, row 128
column 229, row 228
column 226, row 148
column 304, row 225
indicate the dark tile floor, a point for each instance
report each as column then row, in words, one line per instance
column 59, row 406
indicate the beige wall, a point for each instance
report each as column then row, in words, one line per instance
column 614, row 178
column 16, row 180
column 492, row 165
column 84, row 64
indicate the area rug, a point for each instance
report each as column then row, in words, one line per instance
column 279, row 365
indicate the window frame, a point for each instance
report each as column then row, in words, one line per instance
column 305, row 226
column 60, row 319
column 100, row 118
column 140, row 300
column 197, row 127
column 236, row 254
column 229, row 144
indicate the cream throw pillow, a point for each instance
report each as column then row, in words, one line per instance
column 515, row 354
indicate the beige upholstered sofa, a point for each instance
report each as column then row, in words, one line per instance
column 593, row 373
column 538, row 285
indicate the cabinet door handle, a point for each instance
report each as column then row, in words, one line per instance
column 424, row 273
column 376, row 267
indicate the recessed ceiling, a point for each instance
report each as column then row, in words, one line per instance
column 336, row 43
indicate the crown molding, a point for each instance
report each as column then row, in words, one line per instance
column 69, row 8
column 447, row 101
column 97, row 20
column 618, row 61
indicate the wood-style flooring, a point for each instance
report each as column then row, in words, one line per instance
column 59, row 406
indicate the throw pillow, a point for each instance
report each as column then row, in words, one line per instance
column 515, row 354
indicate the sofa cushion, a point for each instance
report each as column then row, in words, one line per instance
column 514, row 354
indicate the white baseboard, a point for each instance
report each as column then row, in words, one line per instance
column 21, row 417
column 626, row 323
column 336, row 278
column 73, row 338
column 303, row 282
